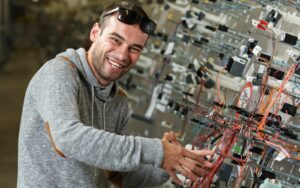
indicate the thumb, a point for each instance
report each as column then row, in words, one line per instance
column 166, row 136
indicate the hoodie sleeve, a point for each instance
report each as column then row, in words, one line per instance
column 145, row 176
column 55, row 89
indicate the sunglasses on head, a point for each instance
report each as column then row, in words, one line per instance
column 130, row 17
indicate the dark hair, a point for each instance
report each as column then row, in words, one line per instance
column 133, row 5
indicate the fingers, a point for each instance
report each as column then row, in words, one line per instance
column 203, row 164
column 195, row 155
column 184, row 172
column 166, row 136
column 188, row 173
column 196, row 166
column 170, row 136
column 189, row 163
column 203, row 152
column 174, row 177
column 201, row 170
column 201, row 160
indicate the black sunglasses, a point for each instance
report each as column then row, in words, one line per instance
column 130, row 17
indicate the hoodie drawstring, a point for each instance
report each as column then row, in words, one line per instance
column 103, row 113
column 93, row 101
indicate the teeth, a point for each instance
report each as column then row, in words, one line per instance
column 114, row 64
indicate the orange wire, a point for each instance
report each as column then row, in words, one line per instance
column 281, row 88
column 264, row 105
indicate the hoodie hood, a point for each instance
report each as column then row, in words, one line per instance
column 79, row 58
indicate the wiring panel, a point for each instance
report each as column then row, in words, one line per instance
column 225, row 75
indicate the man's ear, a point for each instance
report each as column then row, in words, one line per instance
column 95, row 32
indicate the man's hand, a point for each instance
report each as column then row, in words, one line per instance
column 187, row 162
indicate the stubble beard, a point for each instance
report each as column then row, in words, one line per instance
column 99, row 61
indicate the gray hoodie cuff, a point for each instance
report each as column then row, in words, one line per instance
column 152, row 151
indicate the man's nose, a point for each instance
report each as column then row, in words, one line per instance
column 123, row 53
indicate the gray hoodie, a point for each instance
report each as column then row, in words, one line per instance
column 71, row 128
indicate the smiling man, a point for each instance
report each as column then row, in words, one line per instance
column 115, row 50
column 74, row 119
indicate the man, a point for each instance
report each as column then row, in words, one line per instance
column 74, row 116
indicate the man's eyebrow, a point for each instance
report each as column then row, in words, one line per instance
column 123, row 39
column 118, row 36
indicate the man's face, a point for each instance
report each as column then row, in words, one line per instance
column 115, row 50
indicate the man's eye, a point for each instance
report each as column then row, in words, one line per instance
column 136, row 50
column 115, row 40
